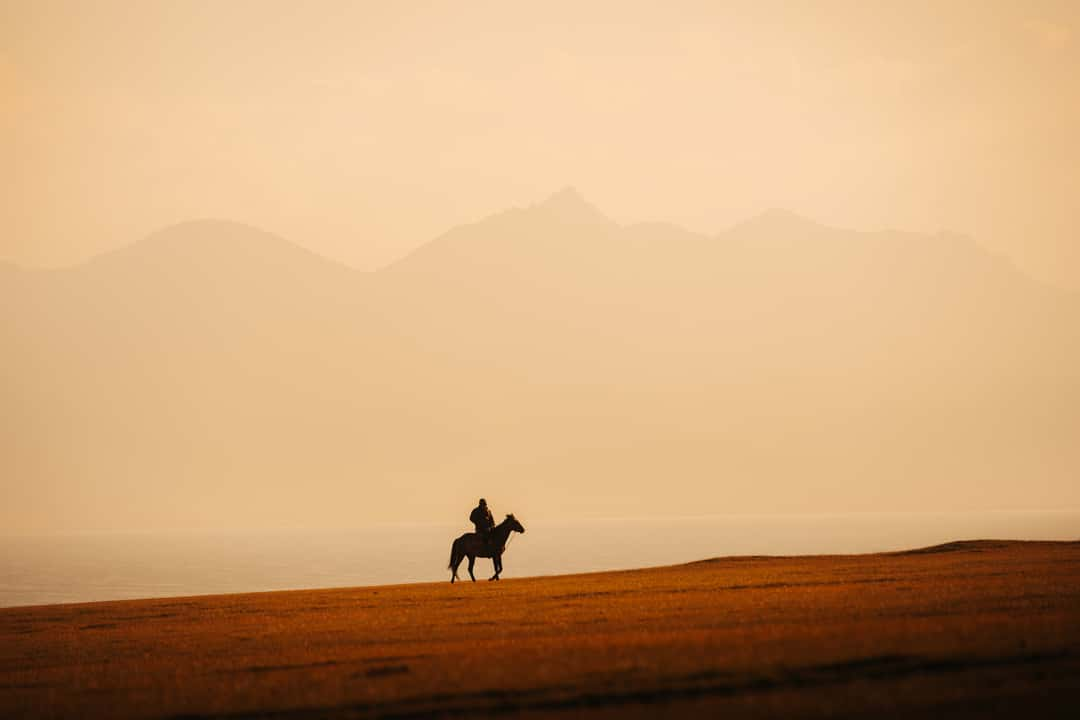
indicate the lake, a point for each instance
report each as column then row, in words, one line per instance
column 79, row 568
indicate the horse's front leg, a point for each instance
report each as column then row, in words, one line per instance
column 496, row 560
column 472, row 561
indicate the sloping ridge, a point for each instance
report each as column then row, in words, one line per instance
column 948, row 547
column 965, row 546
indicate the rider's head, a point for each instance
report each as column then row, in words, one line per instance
column 483, row 502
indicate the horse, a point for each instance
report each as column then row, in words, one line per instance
column 472, row 546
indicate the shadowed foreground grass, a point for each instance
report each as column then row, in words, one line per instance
column 974, row 629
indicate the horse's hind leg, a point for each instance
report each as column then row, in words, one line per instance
column 472, row 561
column 454, row 562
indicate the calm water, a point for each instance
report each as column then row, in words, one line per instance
column 39, row 570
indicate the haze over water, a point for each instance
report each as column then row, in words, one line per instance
column 63, row 569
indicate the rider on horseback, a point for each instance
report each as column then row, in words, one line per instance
column 482, row 519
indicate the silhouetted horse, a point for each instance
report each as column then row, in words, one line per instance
column 470, row 545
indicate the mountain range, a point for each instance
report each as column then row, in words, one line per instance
column 555, row 361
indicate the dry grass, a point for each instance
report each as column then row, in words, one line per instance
column 969, row 629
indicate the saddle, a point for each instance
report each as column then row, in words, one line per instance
column 486, row 540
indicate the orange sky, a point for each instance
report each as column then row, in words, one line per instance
column 362, row 130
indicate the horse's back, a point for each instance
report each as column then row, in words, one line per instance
column 471, row 544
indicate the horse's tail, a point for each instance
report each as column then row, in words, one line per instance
column 450, row 565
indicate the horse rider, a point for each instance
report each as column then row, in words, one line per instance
column 482, row 519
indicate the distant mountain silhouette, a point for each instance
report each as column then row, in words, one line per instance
column 569, row 207
column 217, row 374
column 215, row 246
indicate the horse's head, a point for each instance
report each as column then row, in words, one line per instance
column 513, row 524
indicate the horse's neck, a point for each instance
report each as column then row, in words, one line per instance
column 501, row 531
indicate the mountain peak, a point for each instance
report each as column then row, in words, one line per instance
column 211, row 231
column 213, row 247
column 569, row 206
column 775, row 223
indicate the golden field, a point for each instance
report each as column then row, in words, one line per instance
column 973, row 629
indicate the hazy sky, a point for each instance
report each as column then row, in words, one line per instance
column 362, row 130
